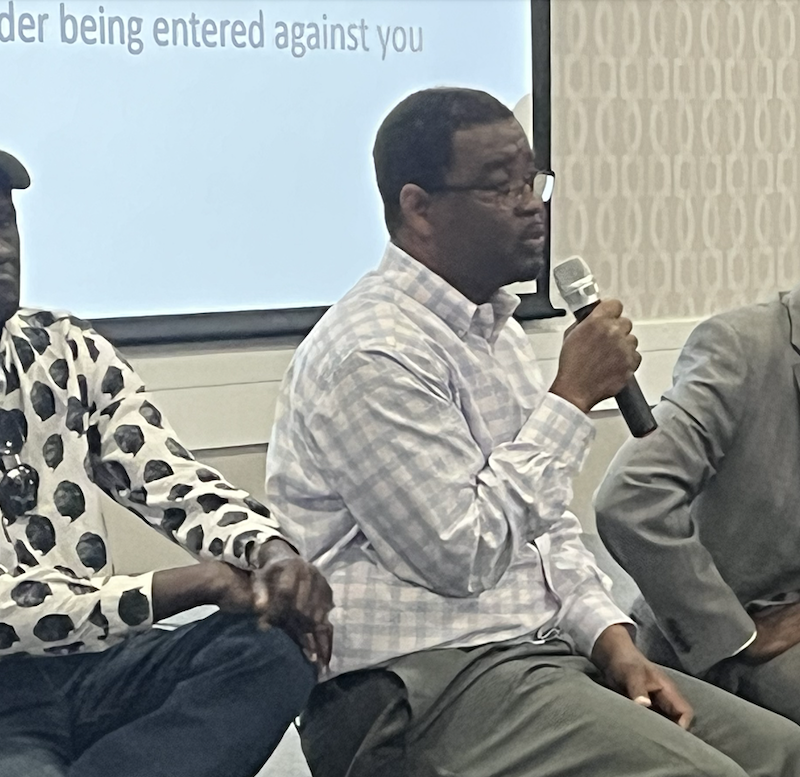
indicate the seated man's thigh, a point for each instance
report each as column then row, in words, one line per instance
column 23, row 757
column 243, row 685
column 774, row 685
column 551, row 721
column 35, row 724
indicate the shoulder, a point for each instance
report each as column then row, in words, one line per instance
column 372, row 327
column 45, row 328
column 53, row 336
column 751, row 333
column 57, row 323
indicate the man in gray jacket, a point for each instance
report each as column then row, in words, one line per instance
column 704, row 513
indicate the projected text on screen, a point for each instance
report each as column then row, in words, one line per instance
column 212, row 155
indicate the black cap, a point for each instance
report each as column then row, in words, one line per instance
column 13, row 170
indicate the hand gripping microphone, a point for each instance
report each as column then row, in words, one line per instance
column 578, row 288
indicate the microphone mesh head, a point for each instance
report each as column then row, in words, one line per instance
column 569, row 272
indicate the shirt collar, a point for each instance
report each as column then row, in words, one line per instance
column 431, row 290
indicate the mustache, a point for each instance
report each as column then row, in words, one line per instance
column 535, row 229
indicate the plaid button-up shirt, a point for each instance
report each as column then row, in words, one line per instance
column 419, row 460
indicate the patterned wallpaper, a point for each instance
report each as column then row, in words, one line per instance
column 675, row 144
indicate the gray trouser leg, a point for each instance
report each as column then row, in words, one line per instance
column 507, row 714
column 758, row 740
column 559, row 722
column 774, row 685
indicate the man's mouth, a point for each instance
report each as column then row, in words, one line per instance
column 535, row 231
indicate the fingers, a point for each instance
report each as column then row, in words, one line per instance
column 292, row 594
column 261, row 601
column 635, row 685
column 608, row 308
column 309, row 644
column 622, row 326
column 325, row 643
column 634, row 357
column 303, row 594
column 670, row 703
column 321, row 646
column 651, row 688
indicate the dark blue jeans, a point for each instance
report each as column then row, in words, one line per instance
column 212, row 698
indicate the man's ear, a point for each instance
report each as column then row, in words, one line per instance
column 415, row 205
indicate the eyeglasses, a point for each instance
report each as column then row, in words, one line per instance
column 540, row 185
column 19, row 486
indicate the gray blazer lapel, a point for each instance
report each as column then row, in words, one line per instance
column 792, row 302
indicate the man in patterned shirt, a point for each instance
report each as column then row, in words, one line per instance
column 87, row 687
column 421, row 462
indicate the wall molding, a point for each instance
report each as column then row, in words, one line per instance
column 222, row 395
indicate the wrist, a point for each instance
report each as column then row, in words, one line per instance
column 613, row 644
column 274, row 549
column 761, row 649
column 210, row 582
column 182, row 588
column 571, row 395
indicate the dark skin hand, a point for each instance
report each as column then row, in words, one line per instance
column 777, row 630
column 629, row 673
column 597, row 358
column 293, row 595
column 284, row 591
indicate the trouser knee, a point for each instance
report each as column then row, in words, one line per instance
column 264, row 662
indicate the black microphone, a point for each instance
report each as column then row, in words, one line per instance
column 578, row 288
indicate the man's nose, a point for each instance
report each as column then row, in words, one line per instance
column 530, row 203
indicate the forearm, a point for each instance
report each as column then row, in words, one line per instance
column 584, row 591
column 182, row 588
column 142, row 465
column 193, row 505
column 613, row 644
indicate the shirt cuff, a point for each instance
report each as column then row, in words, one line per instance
column 746, row 644
column 556, row 422
column 260, row 541
column 239, row 549
column 587, row 620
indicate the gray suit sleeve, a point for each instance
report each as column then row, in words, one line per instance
column 644, row 504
